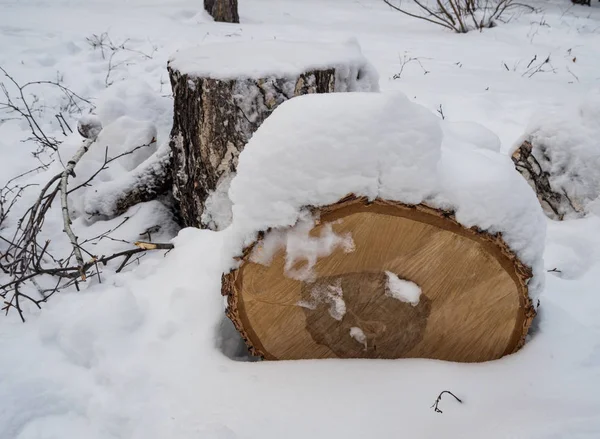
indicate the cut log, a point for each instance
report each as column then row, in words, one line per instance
column 222, row 97
column 223, row 10
column 473, row 305
column 390, row 277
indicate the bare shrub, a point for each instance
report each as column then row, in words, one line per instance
column 458, row 15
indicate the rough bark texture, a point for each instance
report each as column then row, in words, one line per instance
column 213, row 121
column 223, row 10
column 531, row 162
column 474, row 304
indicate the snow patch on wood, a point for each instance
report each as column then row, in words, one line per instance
column 302, row 249
column 331, row 295
column 357, row 334
column 402, row 290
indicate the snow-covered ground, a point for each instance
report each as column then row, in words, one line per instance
column 146, row 353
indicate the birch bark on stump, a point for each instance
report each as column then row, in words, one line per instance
column 536, row 168
column 216, row 112
column 223, row 10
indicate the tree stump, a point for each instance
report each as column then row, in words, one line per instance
column 222, row 97
column 471, row 302
column 536, row 167
column 559, row 156
column 536, row 171
column 223, row 10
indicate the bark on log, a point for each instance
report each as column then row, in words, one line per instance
column 223, row 10
column 147, row 182
column 535, row 168
column 214, row 119
column 474, row 304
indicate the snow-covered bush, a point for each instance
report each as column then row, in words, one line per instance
column 458, row 15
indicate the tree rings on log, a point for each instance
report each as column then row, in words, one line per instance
column 360, row 302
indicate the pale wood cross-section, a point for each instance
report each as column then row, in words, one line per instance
column 474, row 304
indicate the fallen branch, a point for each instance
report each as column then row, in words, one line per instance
column 64, row 180
column 25, row 258
column 73, row 273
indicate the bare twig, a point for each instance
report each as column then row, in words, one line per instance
column 439, row 23
column 440, row 111
column 27, row 107
column 541, row 67
column 439, row 398
column 103, row 43
column 108, row 160
column 404, row 61
column 73, row 273
column 573, row 74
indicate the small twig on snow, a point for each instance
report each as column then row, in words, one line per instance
column 440, row 111
column 439, row 398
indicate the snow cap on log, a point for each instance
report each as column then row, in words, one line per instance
column 316, row 149
column 559, row 156
column 277, row 58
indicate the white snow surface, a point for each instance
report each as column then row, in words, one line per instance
column 568, row 145
column 260, row 59
column 401, row 289
column 470, row 134
column 217, row 207
column 148, row 353
column 315, row 149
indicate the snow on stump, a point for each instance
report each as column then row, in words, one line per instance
column 560, row 159
column 435, row 254
column 223, row 92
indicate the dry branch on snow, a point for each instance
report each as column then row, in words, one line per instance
column 27, row 257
